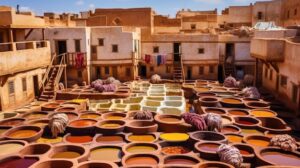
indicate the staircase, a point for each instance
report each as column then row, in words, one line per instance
column 51, row 79
column 177, row 73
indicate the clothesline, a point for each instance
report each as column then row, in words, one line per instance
column 155, row 59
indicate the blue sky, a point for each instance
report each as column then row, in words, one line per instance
column 165, row 7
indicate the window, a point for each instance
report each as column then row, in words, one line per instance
column 259, row 15
column 94, row 49
column 288, row 14
column 151, row 69
column 193, row 26
column 101, row 42
column 168, row 69
column 106, row 69
column 201, row 70
column 115, row 48
column 11, row 87
column 117, row 21
column 155, row 49
column 295, row 12
column 200, row 50
column 24, row 84
column 283, row 81
column 211, row 69
column 77, row 46
column 271, row 75
column 266, row 72
column 128, row 72
column 295, row 93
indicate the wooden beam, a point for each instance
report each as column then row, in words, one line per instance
column 28, row 34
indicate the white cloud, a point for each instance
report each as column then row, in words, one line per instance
column 79, row 2
column 25, row 9
column 92, row 6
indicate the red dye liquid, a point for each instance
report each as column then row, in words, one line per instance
column 245, row 122
column 79, row 139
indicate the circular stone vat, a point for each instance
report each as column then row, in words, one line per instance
column 110, row 139
column 141, row 127
column 140, row 160
column 257, row 105
column 97, row 164
column 50, row 140
column 112, row 153
column 208, row 150
column 71, row 115
column 18, row 162
column 262, row 113
column 230, row 129
column 238, row 112
column 180, row 160
column 215, row 111
column 27, row 133
column 54, row 163
column 114, row 116
column 141, row 138
column 35, row 115
column 207, row 136
column 66, row 109
column 12, row 122
column 7, row 115
column 208, row 101
column 40, row 123
column 247, row 151
column 246, row 122
column 276, row 156
column 81, row 126
column 141, row 148
column 67, row 151
column 250, row 131
column 226, row 120
column 50, row 106
column 205, row 94
column 258, row 141
column 110, row 126
column 8, row 147
column 35, row 149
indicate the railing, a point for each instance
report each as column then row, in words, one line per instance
column 51, row 65
column 24, row 45
column 182, row 68
column 62, row 67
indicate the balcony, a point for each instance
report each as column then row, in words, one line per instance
column 76, row 60
column 21, row 56
column 270, row 50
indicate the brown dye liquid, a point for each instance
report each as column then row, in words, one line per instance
column 140, row 149
column 281, row 158
column 110, row 139
column 237, row 113
column 257, row 142
column 12, row 122
column 142, row 160
column 170, row 119
column 106, row 153
column 22, row 134
column 231, row 101
column 216, row 111
column 90, row 116
column 110, row 125
column 180, row 161
column 141, row 138
column 245, row 122
column 66, row 155
column 115, row 117
column 209, row 147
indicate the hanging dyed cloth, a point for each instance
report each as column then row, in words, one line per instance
column 79, row 60
column 158, row 58
column 163, row 59
column 147, row 59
